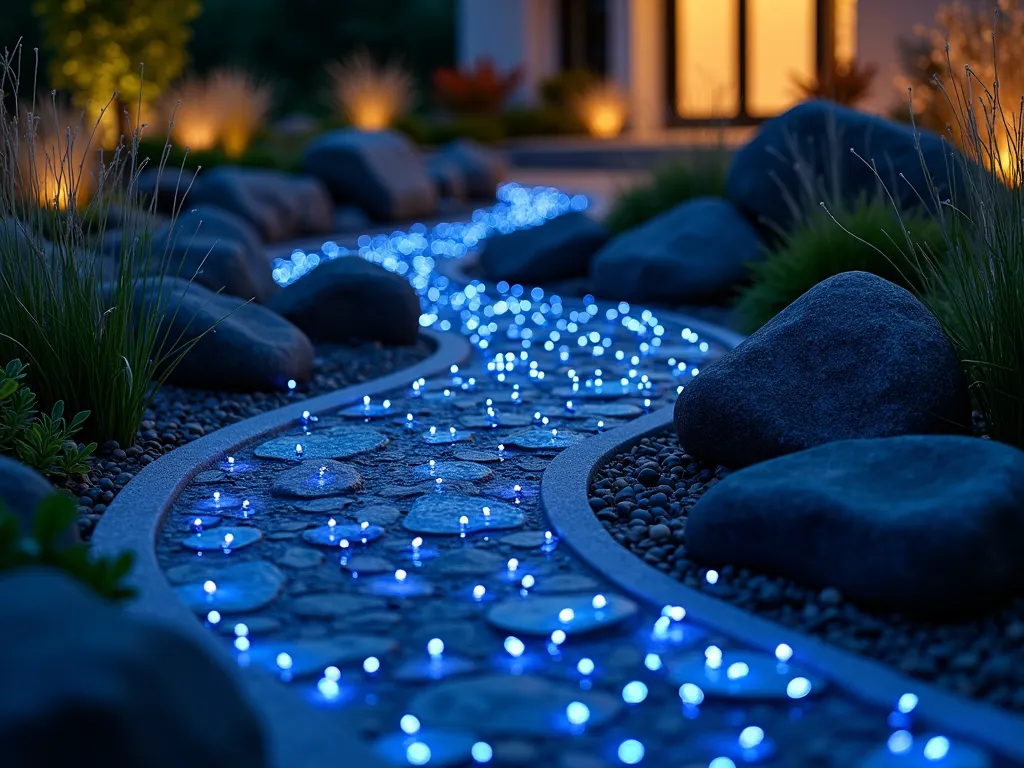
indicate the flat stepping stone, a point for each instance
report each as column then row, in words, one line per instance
column 205, row 522
column 224, row 537
column 525, row 539
column 218, row 503
column 329, row 504
column 444, row 437
column 316, row 479
column 453, row 470
column 368, row 564
column 425, row 670
column 238, row 588
column 441, row 513
column 329, row 605
column 481, row 457
column 338, row 443
column 333, row 535
column 500, row 420
column 301, row 557
column 469, row 562
column 429, row 746
column 559, row 583
column 510, row 705
column 378, row 514
column 607, row 410
column 399, row 585
column 743, row 675
column 371, row 411
column 311, row 657
column 542, row 440
column 573, row 614
column 532, row 463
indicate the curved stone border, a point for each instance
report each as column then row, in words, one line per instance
column 299, row 734
column 563, row 495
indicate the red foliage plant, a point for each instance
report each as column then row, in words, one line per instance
column 481, row 89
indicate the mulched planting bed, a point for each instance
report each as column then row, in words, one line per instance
column 178, row 416
column 643, row 496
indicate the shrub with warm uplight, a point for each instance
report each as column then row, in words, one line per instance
column 603, row 109
column 368, row 95
column 226, row 110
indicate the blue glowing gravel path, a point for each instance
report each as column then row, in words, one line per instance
column 424, row 652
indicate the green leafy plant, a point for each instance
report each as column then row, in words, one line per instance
column 976, row 291
column 42, row 546
column 868, row 239
column 94, row 326
column 700, row 174
column 43, row 441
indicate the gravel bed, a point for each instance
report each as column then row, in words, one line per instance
column 178, row 416
column 642, row 498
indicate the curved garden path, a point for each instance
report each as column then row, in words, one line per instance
column 386, row 576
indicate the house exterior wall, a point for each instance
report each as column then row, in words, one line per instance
column 637, row 62
column 513, row 33
column 880, row 25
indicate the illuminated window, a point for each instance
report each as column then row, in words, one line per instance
column 707, row 58
column 781, row 47
column 845, row 40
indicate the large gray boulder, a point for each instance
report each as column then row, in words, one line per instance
column 558, row 249
column 351, row 299
column 87, row 684
column 693, row 253
column 21, row 491
column 916, row 523
column 813, row 141
column 854, row 357
column 247, row 347
column 482, row 168
column 381, row 172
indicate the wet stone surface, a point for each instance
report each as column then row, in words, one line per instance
column 444, row 634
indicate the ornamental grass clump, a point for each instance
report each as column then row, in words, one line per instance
column 869, row 239
column 367, row 95
column 977, row 291
column 93, row 326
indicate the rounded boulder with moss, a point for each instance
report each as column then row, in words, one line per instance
column 854, row 357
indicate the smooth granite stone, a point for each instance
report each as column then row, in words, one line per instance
column 333, row 535
column 445, row 437
column 322, row 506
column 742, row 675
column 439, row 513
column 88, row 683
column 428, row 669
column 469, row 638
column 881, row 520
column 377, row 514
column 352, row 299
column 205, row 522
column 239, row 346
column 21, row 491
column 368, row 412
column 817, row 139
column 468, row 562
column 453, row 470
column 301, row 557
column 314, row 479
column 240, row 587
column 397, row 585
column 499, row 420
column 382, row 172
column 539, row 439
column 525, row 539
column 693, row 253
column 890, row 370
column 368, row 564
column 209, row 542
column 331, row 605
column 561, row 248
column 543, row 614
column 338, row 443
column 219, row 502
column 558, row 583
column 481, row 457
column 482, row 168
column 445, row 748
column 510, row 705
column 311, row 657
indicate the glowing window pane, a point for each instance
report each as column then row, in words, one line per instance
column 781, row 41
column 707, row 58
column 845, row 32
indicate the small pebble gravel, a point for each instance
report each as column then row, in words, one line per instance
column 178, row 416
column 642, row 498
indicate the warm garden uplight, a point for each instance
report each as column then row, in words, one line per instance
column 368, row 95
column 603, row 110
